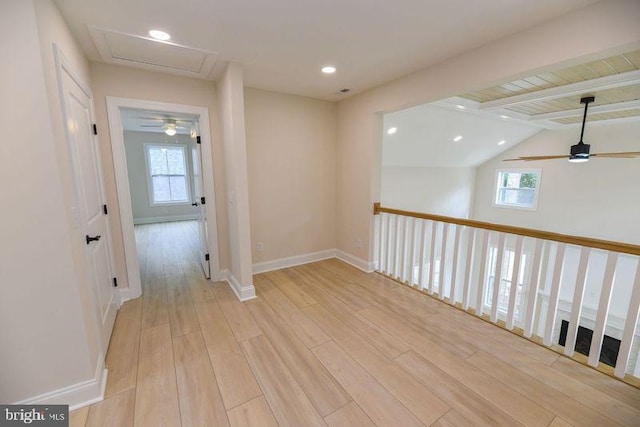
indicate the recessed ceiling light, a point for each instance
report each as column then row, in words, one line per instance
column 501, row 142
column 391, row 131
column 461, row 107
column 502, row 116
column 457, row 138
column 159, row 35
column 329, row 69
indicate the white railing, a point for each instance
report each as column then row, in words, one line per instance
column 566, row 286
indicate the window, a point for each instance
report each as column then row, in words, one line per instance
column 517, row 188
column 167, row 174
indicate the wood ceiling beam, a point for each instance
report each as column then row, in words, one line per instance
column 579, row 88
column 607, row 108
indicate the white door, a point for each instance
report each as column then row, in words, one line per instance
column 199, row 202
column 90, row 210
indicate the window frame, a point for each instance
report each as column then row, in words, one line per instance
column 149, row 176
column 497, row 186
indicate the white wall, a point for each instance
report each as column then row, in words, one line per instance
column 291, row 149
column 231, row 107
column 46, row 336
column 599, row 199
column 110, row 80
column 562, row 41
column 143, row 210
column 440, row 191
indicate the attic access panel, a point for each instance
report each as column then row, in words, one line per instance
column 143, row 52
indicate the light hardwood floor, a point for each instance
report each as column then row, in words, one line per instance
column 328, row 345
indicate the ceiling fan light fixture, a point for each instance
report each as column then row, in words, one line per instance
column 579, row 153
column 170, row 130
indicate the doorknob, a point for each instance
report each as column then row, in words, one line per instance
column 194, row 204
column 92, row 239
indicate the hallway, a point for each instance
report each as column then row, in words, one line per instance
column 325, row 344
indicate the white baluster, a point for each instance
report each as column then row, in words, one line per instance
column 513, row 290
column 443, row 262
column 576, row 306
column 468, row 267
column 454, row 264
column 534, row 285
column 497, row 278
column 411, row 242
column 629, row 330
column 393, row 231
column 380, row 240
column 432, row 255
column 400, row 261
column 423, row 243
column 603, row 308
column 554, row 296
column 483, row 270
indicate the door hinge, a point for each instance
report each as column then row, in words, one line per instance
column 203, row 201
column 198, row 139
column 95, row 129
column 115, row 282
column 206, row 257
column 104, row 209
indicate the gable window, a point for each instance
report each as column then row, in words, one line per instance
column 517, row 188
column 167, row 167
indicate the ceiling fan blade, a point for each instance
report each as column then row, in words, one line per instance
column 534, row 158
column 151, row 126
column 622, row 155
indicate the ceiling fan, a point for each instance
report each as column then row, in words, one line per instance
column 580, row 152
column 170, row 126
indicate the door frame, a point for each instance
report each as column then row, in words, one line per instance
column 114, row 107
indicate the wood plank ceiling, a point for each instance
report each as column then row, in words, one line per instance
column 616, row 86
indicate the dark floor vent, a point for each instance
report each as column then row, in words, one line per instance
column 610, row 346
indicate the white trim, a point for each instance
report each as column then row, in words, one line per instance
column 122, row 180
column 243, row 293
column 77, row 395
column 601, row 83
column 124, row 294
column 277, row 264
column 366, row 266
column 168, row 218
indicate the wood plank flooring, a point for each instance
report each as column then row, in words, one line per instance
column 325, row 344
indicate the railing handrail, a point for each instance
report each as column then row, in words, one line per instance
column 607, row 245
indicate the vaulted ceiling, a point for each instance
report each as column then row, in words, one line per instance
column 282, row 44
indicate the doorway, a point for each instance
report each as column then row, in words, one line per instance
column 164, row 178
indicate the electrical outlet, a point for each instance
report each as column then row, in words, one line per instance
column 259, row 246
column 359, row 243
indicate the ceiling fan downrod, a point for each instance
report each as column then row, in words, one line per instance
column 586, row 101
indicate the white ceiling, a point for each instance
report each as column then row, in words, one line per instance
column 152, row 121
column 424, row 136
column 283, row 43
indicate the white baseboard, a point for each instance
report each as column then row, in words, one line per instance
column 76, row 395
column 125, row 294
column 263, row 267
column 244, row 293
column 366, row 266
column 168, row 218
